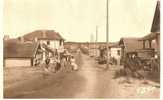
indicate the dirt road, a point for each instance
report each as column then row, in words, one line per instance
column 90, row 81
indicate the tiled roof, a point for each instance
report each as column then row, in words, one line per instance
column 156, row 20
column 150, row 36
column 131, row 44
column 114, row 44
column 15, row 40
column 43, row 34
column 19, row 50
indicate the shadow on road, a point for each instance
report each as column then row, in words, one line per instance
column 64, row 84
column 152, row 76
column 54, row 86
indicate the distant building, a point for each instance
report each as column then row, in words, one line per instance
column 129, row 46
column 96, row 45
column 17, row 54
column 71, row 46
column 47, row 38
column 115, row 51
column 94, row 48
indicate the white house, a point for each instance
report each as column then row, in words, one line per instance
column 115, row 51
column 53, row 40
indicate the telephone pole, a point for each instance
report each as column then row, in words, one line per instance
column 96, row 33
column 96, row 39
column 107, row 32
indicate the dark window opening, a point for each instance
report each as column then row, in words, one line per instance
column 48, row 42
column 60, row 42
column 118, row 52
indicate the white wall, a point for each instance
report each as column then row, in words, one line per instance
column 94, row 52
column 54, row 44
column 14, row 62
column 43, row 41
column 114, row 53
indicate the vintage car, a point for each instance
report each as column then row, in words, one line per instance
column 147, row 58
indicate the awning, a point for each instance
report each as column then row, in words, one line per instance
column 150, row 36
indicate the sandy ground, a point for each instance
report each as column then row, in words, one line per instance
column 90, row 81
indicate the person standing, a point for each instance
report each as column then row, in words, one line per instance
column 47, row 61
column 73, row 64
column 57, row 64
column 130, row 67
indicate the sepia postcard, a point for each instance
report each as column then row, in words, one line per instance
column 88, row 49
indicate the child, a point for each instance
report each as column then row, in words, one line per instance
column 57, row 64
column 47, row 61
column 73, row 64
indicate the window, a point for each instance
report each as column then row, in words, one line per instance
column 48, row 42
column 60, row 42
column 118, row 52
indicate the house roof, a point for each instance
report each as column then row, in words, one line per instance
column 43, row 34
column 155, row 29
column 85, row 43
column 150, row 36
column 19, row 50
column 131, row 44
column 11, row 40
column 70, row 43
column 156, row 20
column 114, row 44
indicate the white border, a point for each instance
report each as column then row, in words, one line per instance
column 1, row 51
column 161, row 48
column 1, row 48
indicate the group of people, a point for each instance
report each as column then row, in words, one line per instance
column 131, row 66
column 60, row 60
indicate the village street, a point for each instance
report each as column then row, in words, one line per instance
column 81, row 49
column 90, row 81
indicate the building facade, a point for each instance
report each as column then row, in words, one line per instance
column 49, row 40
column 17, row 54
column 115, row 51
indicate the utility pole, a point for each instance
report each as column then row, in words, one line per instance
column 91, row 38
column 96, row 33
column 96, row 38
column 92, row 42
column 107, row 32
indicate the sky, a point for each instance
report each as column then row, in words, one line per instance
column 76, row 20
